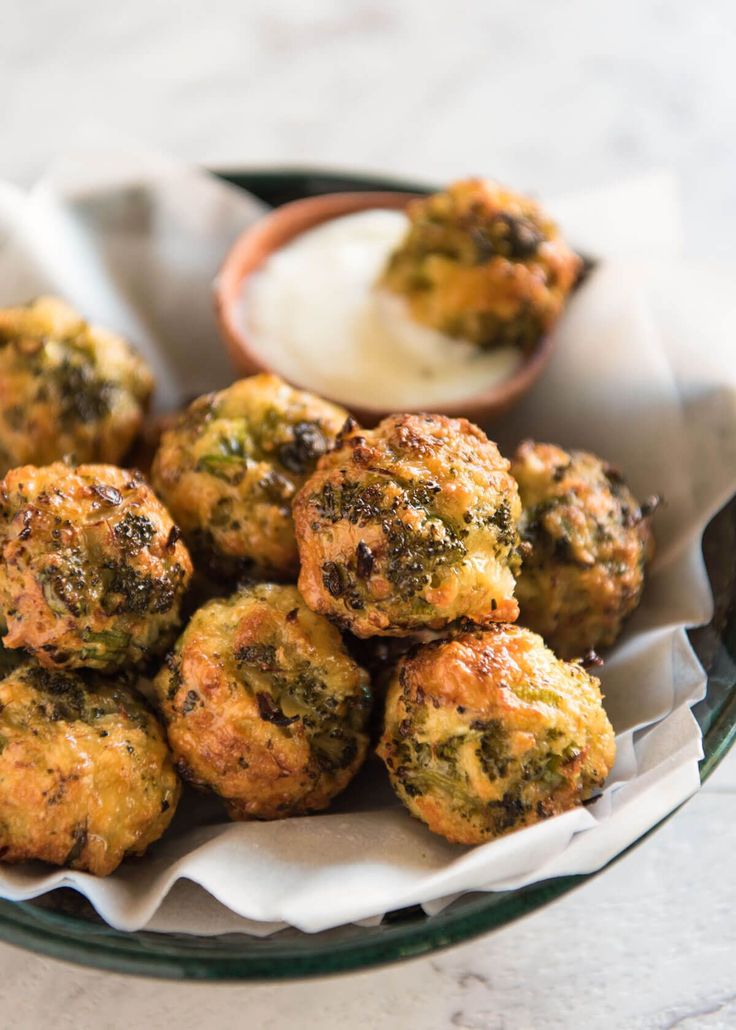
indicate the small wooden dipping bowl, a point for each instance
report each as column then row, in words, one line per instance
column 253, row 247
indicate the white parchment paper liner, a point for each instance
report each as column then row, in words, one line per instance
column 644, row 374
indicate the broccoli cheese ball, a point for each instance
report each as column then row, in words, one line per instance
column 483, row 264
column 66, row 387
column 85, row 773
column 263, row 705
column 489, row 732
column 588, row 541
column 230, row 467
column 409, row 526
column 92, row 570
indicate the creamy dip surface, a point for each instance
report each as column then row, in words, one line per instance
column 314, row 314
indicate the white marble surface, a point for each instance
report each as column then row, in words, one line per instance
column 547, row 96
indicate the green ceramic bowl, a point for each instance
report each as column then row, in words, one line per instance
column 63, row 924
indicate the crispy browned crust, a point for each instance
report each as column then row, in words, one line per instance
column 489, row 732
column 408, row 526
column 264, row 706
column 588, row 542
column 85, row 772
column 485, row 264
column 66, row 388
column 92, row 570
column 229, row 468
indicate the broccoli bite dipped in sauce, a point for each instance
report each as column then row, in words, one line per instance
column 483, row 264
column 588, row 541
column 263, row 704
column 229, row 469
column 409, row 526
column 66, row 387
column 92, row 569
column 489, row 732
column 85, row 773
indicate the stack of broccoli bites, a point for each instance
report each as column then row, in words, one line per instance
column 319, row 540
column 92, row 575
column 412, row 530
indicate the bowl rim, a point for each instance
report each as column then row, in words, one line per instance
column 280, row 226
column 115, row 951
column 189, row 957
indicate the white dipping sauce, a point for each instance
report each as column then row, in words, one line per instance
column 314, row 314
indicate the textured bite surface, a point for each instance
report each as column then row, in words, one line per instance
column 490, row 732
column 589, row 541
column 230, row 467
column 408, row 526
column 263, row 705
column 484, row 264
column 66, row 387
column 92, row 569
column 85, row 772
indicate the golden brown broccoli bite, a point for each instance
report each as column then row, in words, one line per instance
column 92, row 570
column 489, row 732
column 483, row 264
column 85, row 773
column 66, row 387
column 588, row 541
column 264, row 706
column 230, row 467
column 409, row 526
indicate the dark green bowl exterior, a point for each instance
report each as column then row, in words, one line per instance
column 64, row 926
